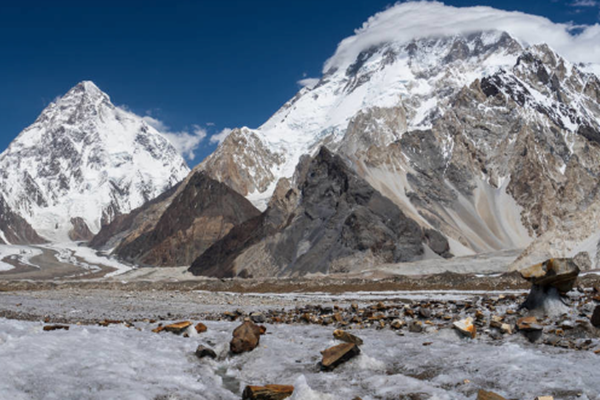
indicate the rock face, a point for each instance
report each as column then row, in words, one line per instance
column 86, row 160
column 80, row 231
column 179, row 226
column 336, row 223
column 14, row 229
column 246, row 337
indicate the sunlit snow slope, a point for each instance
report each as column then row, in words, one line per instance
column 85, row 160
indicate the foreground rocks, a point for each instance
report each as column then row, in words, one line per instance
column 267, row 392
column 48, row 328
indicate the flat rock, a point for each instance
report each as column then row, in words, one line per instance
column 466, row 327
column 48, row 328
column 336, row 355
column 246, row 337
column 344, row 336
column 560, row 273
column 267, row 392
column 177, row 327
column 483, row 395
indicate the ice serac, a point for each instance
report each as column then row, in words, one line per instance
column 178, row 226
column 83, row 162
column 334, row 222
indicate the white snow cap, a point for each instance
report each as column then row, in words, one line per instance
column 417, row 19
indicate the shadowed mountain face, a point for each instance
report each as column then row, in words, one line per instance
column 14, row 229
column 336, row 222
column 177, row 227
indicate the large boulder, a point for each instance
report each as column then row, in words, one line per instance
column 246, row 337
column 560, row 273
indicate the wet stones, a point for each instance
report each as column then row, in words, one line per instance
column 336, row 355
column 466, row 327
column 203, row 351
column 267, row 392
column 347, row 337
column 246, row 337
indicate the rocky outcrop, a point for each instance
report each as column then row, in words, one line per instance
column 14, row 229
column 180, row 225
column 335, row 223
column 80, row 230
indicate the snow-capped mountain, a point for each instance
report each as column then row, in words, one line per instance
column 84, row 161
column 404, row 83
column 477, row 134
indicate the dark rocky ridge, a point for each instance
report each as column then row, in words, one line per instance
column 188, row 221
column 339, row 223
column 15, row 228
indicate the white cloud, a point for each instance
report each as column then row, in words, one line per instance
column 584, row 3
column 185, row 142
column 308, row 82
column 219, row 137
column 407, row 21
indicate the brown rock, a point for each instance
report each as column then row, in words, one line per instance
column 203, row 351
column 336, row 355
column 200, row 327
column 246, row 337
column 560, row 273
column 56, row 327
column 347, row 337
column 483, row 395
column 528, row 324
column 158, row 329
column 108, row 322
column 177, row 327
column 267, row 392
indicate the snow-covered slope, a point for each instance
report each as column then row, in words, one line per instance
column 85, row 158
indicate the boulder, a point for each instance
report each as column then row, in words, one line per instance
column 347, row 337
column 178, row 327
column 336, row 355
column 560, row 273
column 203, row 351
column 267, row 392
column 466, row 327
column 483, row 395
column 200, row 327
column 246, row 337
column 595, row 320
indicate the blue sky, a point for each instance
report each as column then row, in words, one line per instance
column 213, row 64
